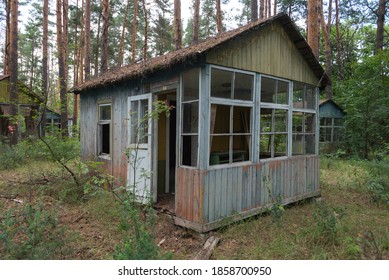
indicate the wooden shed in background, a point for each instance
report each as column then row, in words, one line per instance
column 244, row 131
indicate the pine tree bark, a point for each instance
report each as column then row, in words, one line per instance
column 124, row 24
column 262, row 9
column 7, row 36
column 104, row 37
column 134, row 31
column 275, row 7
column 338, row 42
column 177, row 24
column 313, row 26
column 268, row 8
column 45, row 37
column 196, row 17
column 326, row 29
column 219, row 17
column 254, row 10
column 87, row 40
column 13, row 71
column 97, row 46
column 65, row 18
column 62, row 71
column 145, row 44
column 381, row 11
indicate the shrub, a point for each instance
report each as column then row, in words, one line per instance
column 32, row 233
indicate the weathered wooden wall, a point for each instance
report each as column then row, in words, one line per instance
column 268, row 50
column 208, row 199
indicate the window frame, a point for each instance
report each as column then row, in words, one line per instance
column 332, row 126
column 100, row 123
column 232, row 102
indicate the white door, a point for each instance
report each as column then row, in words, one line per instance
column 139, row 148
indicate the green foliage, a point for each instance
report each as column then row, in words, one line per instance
column 365, row 100
column 32, row 233
column 138, row 234
column 327, row 225
column 277, row 211
column 378, row 184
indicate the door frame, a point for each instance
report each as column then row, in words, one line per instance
column 169, row 97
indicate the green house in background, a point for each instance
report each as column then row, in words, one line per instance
column 331, row 125
column 29, row 107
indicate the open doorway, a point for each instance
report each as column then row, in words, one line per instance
column 167, row 140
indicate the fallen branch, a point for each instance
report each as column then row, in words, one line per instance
column 79, row 217
column 8, row 196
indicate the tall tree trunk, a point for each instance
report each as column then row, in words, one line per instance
column 45, row 63
column 87, row 40
column 104, row 37
column 381, row 11
column 7, row 36
column 13, row 71
column 134, row 31
column 254, row 10
column 196, row 17
column 275, row 7
column 177, row 24
column 97, row 46
column 145, row 45
column 65, row 36
column 219, row 17
column 76, row 63
column 313, row 26
column 268, row 8
column 124, row 24
column 326, row 29
column 338, row 42
column 62, row 71
column 262, row 9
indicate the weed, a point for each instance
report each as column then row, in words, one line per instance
column 32, row 233
column 327, row 223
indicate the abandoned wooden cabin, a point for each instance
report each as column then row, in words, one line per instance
column 331, row 126
column 243, row 132
column 29, row 107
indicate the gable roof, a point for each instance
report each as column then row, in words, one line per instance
column 193, row 52
column 331, row 102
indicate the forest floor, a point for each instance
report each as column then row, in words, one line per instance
column 346, row 223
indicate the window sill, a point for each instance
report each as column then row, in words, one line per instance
column 105, row 156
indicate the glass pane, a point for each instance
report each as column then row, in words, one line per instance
column 143, row 121
column 322, row 134
column 191, row 85
column 310, row 97
column 241, row 144
column 189, row 150
column 280, row 121
column 241, row 119
column 309, row 122
column 266, row 117
column 297, row 122
column 219, row 150
column 280, row 145
column 220, row 119
column 298, row 144
column 243, row 86
column 282, row 92
column 298, row 95
column 105, row 112
column 190, row 117
column 310, row 144
column 338, row 122
column 265, row 146
column 221, row 83
column 268, row 88
column 134, row 115
column 337, row 134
